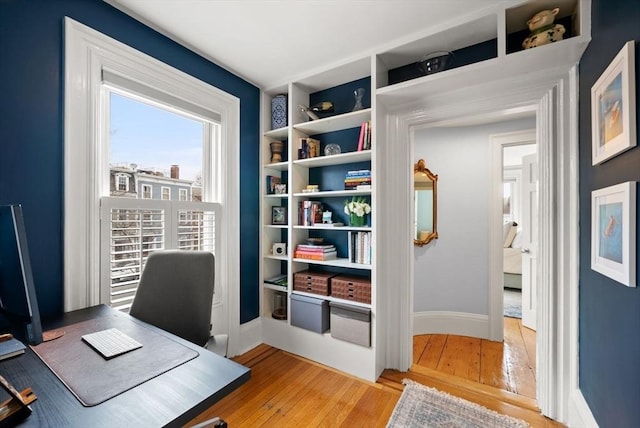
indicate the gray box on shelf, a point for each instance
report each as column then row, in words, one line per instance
column 351, row 323
column 309, row 313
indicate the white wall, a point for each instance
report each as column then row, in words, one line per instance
column 451, row 273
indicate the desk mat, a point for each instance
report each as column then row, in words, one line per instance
column 91, row 378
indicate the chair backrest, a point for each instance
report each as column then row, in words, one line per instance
column 176, row 293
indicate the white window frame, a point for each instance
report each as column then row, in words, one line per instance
column 87, row 53
column 146, row 186
column 162, row 194
column 183, row 194
column 126, row 182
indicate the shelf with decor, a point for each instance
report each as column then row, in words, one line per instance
column 483, row 48
column 308, row 164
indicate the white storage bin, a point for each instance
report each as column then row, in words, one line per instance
column 351, row 323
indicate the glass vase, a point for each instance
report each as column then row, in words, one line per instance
column 356, row 221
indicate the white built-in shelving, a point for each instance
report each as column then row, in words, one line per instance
column 501, row 27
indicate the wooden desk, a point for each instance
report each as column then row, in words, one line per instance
column 171, row 399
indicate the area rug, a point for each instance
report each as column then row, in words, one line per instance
column 512, row 303
column 422, row 406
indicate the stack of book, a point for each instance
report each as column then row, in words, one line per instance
column 358, row 180
column 359, row 247
column 310, row 213
column 315, row 252
column 364, row 141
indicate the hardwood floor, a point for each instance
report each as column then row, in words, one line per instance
column 289, row 391
column 510, row 366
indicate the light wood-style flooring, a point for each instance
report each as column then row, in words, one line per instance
column 289, row 391
column 510, row 366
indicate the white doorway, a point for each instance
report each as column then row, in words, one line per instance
column 520, row 223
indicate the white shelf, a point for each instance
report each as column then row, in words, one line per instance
column 343, row 263
column 333, row 193
column 324, row 227
column 333, row 299
column 271, row 256
column 340, row 159
column 276, row 226
column 274, row 287
column 278, row 166
column 275, row 196
column 335, row 123
column 277, row 134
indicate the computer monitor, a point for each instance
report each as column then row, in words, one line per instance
column 18, row 303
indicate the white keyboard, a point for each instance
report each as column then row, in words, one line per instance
column 111, row 342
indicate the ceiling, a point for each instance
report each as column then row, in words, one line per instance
column 270, row 42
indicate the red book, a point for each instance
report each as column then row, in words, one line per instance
column 361, row 138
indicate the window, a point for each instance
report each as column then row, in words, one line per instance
column 183, row 194
column 122, row 181
column 166, row 194
column 141, row 130
column 110, row 67
column 146, row 191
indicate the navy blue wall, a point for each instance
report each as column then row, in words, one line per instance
column 31, row 129
column 609, row 311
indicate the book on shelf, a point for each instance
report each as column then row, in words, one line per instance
column 280, row 280
column 309, row 213
column 359, row 247
column 308, row 148
column 11, row 347
column 314, row 247
column 307, row 255
column 364, row 139
column 353, row 179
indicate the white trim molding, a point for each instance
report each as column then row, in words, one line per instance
column 446, row 322
column 548, row 93
column 87, row 54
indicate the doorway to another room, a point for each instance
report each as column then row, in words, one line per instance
column 519, row 212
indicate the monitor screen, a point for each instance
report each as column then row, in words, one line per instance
column 18, row 303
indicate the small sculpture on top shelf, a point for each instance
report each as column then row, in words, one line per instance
column 543, row 30
column 321, row 107
column 359, row 94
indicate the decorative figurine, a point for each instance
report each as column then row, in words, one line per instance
column 543, row 30
column 276, row 151
column 308, row 112
column 359, row 94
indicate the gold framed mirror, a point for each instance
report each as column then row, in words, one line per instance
column 425, row 185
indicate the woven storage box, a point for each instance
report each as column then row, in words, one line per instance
column 354, row 288
column 313, row 282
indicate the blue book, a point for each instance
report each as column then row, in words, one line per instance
column 10, row 348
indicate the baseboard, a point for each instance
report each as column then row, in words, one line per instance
column 445, row 322
column 250, row 337
column 579, row 412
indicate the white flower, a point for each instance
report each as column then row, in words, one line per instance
column 359, row 207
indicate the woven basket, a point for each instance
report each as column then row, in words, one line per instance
column 313, row 282
column 353, row 288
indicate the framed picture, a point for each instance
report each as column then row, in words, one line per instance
column 613, row 107
column 278, row 215
column 613, row 232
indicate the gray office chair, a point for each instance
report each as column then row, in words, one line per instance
column 175, row 293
